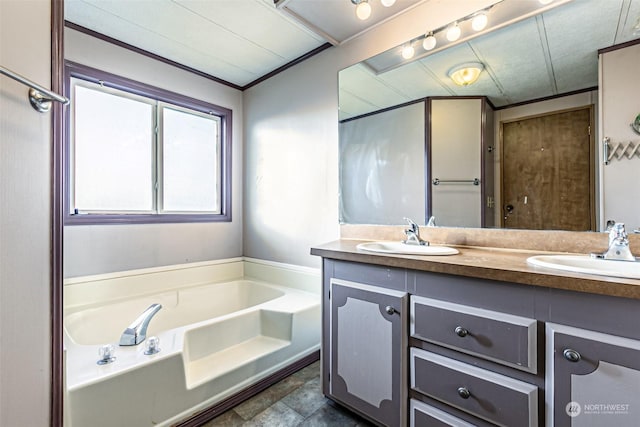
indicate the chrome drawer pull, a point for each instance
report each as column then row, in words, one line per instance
column 571, row 355
column 389, row 309
column 464, row 392
column 461, row 332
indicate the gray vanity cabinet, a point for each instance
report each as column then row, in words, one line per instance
column 593, row 379
column 367, row 350
column 421, row 349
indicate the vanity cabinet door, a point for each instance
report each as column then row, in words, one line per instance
column 593, row 379
column 367, row 350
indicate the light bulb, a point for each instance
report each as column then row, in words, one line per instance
column 479, row 22
column 408, row 51
column 363, row 10
column 387, row 3
column 429, row 42
column 453, row 33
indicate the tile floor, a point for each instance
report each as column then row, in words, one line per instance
column 295, row 401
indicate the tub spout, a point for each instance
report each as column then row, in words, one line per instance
column 137, row 331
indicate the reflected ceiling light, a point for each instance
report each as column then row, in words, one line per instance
column 407, row 51
column 429, row 42
column 363, row 9
column 466, row 74
column 545, row 1
column 387, row 3
column 453, row 32
column 480, row 21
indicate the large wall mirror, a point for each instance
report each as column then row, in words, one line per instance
column 404, row 124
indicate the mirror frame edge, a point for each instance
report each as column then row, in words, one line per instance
column 57, row 391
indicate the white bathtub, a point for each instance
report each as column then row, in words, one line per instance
column 215, row 340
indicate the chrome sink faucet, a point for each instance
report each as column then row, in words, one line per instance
column 413, row 234
column 137, row 331
column 618, row 245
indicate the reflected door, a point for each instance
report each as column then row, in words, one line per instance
column 547, row 172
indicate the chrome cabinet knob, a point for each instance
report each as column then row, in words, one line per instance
column 389, row 309
column 571, row 355
column 464, row 392
column 461, row 332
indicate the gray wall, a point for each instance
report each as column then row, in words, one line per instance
column 291, row 140
column 25, row 211
column 105, row 248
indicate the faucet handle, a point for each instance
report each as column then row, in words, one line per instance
column 106, row 354
column 412, row 224
column 617, row 232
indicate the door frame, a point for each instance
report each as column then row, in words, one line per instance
column 592, row 162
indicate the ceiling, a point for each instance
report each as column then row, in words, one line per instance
column 549, row 54
column 238, row 41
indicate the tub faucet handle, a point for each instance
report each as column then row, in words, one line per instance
column 106, row 354
column 152, row 346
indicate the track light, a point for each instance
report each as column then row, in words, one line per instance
column 480, row 21
column 429, row 42
column 453, row 32
column 408, row 51
column 363, row 9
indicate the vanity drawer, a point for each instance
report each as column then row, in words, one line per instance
column 504, row 338
column 496, row 398
column 423, row 415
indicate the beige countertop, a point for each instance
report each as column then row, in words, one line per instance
column 507, row 265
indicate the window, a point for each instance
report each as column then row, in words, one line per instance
column 139, row 154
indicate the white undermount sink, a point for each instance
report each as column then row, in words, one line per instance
column 402, row 248
column 587, row 264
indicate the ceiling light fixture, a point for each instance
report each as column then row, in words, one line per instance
column 429, row 41
column 453, row 32
column 480, row 21
column 408, row 51
column 466, row 74
column 363, row 9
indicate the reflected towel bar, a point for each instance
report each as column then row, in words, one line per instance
column 39, row 97
column 438, row 181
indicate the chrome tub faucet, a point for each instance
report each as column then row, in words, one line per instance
column 413, row 234
column 618, row 245
column 137, row 331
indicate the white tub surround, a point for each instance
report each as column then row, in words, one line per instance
column 223, row 326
